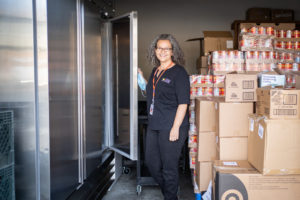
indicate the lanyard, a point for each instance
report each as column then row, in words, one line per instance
column 153, row 80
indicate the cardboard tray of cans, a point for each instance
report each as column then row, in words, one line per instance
column 264, row 38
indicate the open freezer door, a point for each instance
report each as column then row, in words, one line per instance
column 121, row 84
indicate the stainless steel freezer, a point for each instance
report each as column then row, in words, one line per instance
column 60, row 75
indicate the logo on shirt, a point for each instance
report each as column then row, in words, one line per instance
column 166, row 80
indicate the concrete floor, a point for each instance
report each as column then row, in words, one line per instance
column 125, row 189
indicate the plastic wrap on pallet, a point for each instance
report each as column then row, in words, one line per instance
column 222, row 57
column 288, row 67
column 227, row 67
column 256, row 43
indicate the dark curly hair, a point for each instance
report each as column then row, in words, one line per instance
column 177, row 56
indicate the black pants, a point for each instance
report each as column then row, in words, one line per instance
column 162, row 157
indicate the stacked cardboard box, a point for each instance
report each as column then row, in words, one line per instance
column 273, row 152
column 239, row 180
column 212, row 41
column 205, row 121
column 232, row 124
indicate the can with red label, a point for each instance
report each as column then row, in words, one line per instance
column 221, row 92
column 281, row 34
column 270, row 31
column 221, row 55
column 230, row 55
column 261, row 30
column 297, row 45
column 279, row 44
column 266, row 55
column 289, row 45
column 296, row 66
column 199, row 91
column 288, row 66
column 289, row 56
column 296, row 34
column 256, row 55
column 281, row 66
column 282, row 56
column 249, row 54
column 208, row 91
column 253, row 30
column 193, row 91
column 288, row 34
column 244, row 30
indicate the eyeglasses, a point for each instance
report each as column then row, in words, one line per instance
column 163, row 49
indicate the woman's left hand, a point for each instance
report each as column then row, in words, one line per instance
column 174, row 134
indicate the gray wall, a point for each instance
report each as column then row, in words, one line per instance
column 187, row 19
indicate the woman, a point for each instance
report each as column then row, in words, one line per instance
column 168, row 96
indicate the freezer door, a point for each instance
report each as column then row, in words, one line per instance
column 121, row 80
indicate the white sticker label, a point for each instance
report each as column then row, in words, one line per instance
column 260, row 131
column 230, row 163
column 216, row 106
column 217, row 139
column 229, row 44
column 251, row 125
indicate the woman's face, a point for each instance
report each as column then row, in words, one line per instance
column 164, row 51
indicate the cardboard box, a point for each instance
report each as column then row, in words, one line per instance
column 205, row 116
column 232, row 119
column 258, row 14
column 274, row 145
column 217, row 41
column 279, row 103
column 202, row 62
column 234, row 148
column 282, row 15
column 241, row 181
column 297, row 85
column 207, row 146
column 203, row 175
column 240, row 87
column 271, row 80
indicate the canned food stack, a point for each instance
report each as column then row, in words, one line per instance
column 192, row 142
column 256, row 39
column 258, row 61
column 287, row 40
column 226, row 61
column 288, row 61
column 201, row 85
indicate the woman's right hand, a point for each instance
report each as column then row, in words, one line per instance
column 142, row 74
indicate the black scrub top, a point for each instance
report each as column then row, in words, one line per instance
column 172, row 89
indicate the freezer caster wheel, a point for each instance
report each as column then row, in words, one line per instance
column 138, row 190
column 126, row 170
